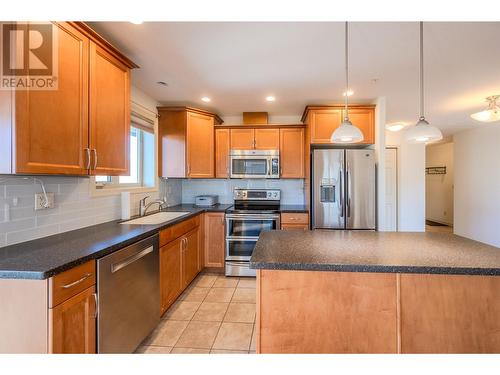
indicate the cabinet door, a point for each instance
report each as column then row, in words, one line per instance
column 322, row 123
column 200, row 146
column 267, row 139
column 51, row 126
column 214, row 239
column 73, row 324
column 292, row 153
column 109, row 113
column 242, row 139
column 222, row 153
column 170, row 273
column 364, row 119
column 190, row 256
column 294, row 227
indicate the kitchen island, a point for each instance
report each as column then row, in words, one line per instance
column 376, row 292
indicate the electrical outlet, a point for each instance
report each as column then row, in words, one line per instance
column 40, row 200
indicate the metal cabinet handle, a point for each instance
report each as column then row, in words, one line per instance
column 96, row 305
column 189, row 169
column 70, row 285
column 87, row 158
column 95, row 158
column 118, row 266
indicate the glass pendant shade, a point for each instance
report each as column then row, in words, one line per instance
column 347, row 133
column 423, row 132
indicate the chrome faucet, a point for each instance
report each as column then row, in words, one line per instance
column 143, row 207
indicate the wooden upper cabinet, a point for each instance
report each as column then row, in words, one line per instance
column 109, row 113
column 214, row 239
column 72, row 324
column 364, row 119
column 186, row 142
column 267, row 139
column 51, row 126
column 242, row 139
column 200, row 146
column 222, row 147
column 292, row 153
column 323, row 120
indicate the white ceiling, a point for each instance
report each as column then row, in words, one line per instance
column 239, row 64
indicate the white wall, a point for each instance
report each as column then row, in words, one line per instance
column 379, row 147
column 411, row 183
column 477, row 184
column 439, row 187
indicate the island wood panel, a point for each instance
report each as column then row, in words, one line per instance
column 450, row 314
column 267, row 139
column 200, row 146
column 51, row 126
column 292, row 153
column 326, row 312
column 242, row 139
column 222, row 147
column 109, row 113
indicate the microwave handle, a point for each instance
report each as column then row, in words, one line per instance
column 269, row 167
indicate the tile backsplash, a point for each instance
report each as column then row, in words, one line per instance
column 292, row 191
column 74, row 206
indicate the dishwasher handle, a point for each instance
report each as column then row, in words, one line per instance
column 118, row 266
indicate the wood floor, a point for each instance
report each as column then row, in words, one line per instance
column 215, row 315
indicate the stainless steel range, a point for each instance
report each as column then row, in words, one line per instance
column 255, row 210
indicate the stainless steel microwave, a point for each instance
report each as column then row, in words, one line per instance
column 255, row 163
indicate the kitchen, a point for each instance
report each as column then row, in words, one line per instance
column 141, row 213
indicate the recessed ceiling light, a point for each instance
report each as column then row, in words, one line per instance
column 270, row 98
column 137, row 22
column 348, row 93
column 162, row 83
column 395, row 127
column 206, row 99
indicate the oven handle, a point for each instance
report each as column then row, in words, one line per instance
column 252, row 217
column 241, row 238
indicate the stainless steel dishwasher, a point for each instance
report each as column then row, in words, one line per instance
column 128, row 287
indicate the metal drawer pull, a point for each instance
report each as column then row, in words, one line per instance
column 87, row 163
column 95, row 158
column 96, row 305
column 85, row 277
column 118, row 266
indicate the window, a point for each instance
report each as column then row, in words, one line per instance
column 142, row 158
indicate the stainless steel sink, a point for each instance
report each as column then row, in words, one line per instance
column 158, row 218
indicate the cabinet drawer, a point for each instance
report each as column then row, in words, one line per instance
column 294, row 227
column 71, row 282
column 294, row 218
column 170, row 234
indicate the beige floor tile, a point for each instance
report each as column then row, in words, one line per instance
column 167, row 333
column 182, row 310
column 252, row 352
column 247, row 283
column 189, row 351
column 226, row 282
column 222, row 351
column 205, row 281
column 153, row 349
column 219, row 295
column 254, row 338
column 199, row 335
column 211, row 312
column 234, row 336
column 240, row 313
column 195, row 294
column 246, row 295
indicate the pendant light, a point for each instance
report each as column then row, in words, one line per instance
column 347, row 132
column 491, row 114
column 422, row 132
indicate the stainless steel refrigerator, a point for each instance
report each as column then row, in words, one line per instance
column 343, row 193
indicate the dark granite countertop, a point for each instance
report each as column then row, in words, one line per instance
column 293, row 208
column 48, row 256
column 359, row 251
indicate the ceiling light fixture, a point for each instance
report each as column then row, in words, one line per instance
column 270, row 98
column 491, row 114
column 348, row 93
column 206, row 99
column 422, row 131
column 162, row 83
column 394, row 127
column 346, row 132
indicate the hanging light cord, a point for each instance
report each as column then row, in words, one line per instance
column 346, row 117
column 422, row 117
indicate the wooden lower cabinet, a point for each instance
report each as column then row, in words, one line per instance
column 191, row 257
column 294, row 227
column 170, row 273
column 214, row 242
column 294, row 221
column 72, row 324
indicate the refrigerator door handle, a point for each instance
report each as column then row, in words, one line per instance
column 341, row 200
column 348, row 195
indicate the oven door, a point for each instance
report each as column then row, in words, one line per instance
column 250, row 166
